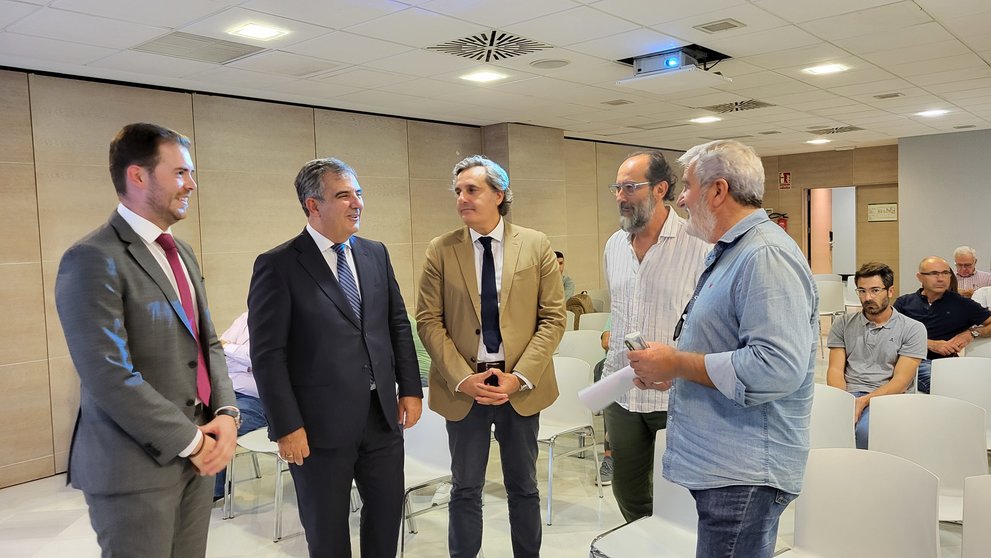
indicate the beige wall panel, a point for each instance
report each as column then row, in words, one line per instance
column 433, row 207
column 875, row 165
column 25, row 412
column 227, row 278
column 26, row 471
column 56, row 337
column 583, row 261
column 248, row 211
column 536, row 152
column 419, row 256
column 76, row 199
column 15, row 119
column 242, row 135
column 19, row 227
column 770, row 181
column 878, row 241
column 495, row 146
column 818, row 170
column 401, row 255
column 434, row 149
column 537, row 205
column 372, row 145
column 65, row 407
column 582, row 207
column 579, row 162
column 74, row 121
column 22, row 329
column 386, row 216
column 792, row 202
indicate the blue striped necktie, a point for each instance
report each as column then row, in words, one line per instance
column 346, row 280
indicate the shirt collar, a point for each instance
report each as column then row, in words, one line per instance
column 743, row 226
column 324, row 243
column 144, row 228
column 496, row 234
column 891, row 319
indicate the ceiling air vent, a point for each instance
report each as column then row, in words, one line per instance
column 490, row 46
column 884, row 96
column 965, row 127
column 721, row 25
column 617, row 102
column 197, row 47
column 837, row 130
column 737, row 106
column 769, row 132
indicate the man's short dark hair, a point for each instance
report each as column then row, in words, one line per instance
column 658, row 170
column 137, row 144
column 876, row 269
column 559, row 254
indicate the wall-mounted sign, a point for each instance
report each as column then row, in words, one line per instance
column 882, row 212
column 784, row 181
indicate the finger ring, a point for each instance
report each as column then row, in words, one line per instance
column 288, row 456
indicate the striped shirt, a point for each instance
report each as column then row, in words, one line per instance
column 649, row 296
column 976, row 280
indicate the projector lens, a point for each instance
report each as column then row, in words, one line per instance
column 671, row 62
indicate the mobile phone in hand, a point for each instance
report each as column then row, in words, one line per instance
column 635, row 342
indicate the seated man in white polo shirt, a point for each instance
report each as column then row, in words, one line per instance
column 876, row 351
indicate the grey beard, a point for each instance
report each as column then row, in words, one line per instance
column 640, row 217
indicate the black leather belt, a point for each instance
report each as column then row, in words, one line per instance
column 483, row 366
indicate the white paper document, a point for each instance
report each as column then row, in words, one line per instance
column 603, row 393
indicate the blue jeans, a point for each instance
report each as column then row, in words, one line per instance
column 252, row 418
column 863, row 426
column 925, row 372
column 739, row 521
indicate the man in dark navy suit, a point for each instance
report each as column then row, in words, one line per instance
column 330, row 344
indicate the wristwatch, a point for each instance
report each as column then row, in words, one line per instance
column 232, row 412
column 975, row 333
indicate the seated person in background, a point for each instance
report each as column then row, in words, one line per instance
column 569, row 283
column 606, row 468
column 876, row 351
column 951, row 320
column 236, row 351
column 422, row 356
column 982, row 296
column 968, row 277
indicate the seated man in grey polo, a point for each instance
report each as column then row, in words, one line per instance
column 876, row 351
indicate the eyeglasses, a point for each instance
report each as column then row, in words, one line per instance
column 628, row 188
column 873, row 291
column 945, row 273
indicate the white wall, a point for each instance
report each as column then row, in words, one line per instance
column 944, row 199
column 844, row 230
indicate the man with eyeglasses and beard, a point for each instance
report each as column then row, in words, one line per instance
column 952, row 321
column 877, row 351
column 651, row 266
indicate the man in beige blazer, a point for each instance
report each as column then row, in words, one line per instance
column 490, row 312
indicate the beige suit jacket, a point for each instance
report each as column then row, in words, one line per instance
column 531, row 317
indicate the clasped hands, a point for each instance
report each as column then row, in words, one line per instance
column 952, row 345
column 475, row 387
column 217, row 448
column 653, row 366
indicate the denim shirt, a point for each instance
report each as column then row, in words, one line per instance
column 755, row 318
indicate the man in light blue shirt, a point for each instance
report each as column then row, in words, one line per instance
column 742, row 376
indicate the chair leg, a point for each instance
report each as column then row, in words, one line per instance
column 550, row 479
column 278, row 499
column 595, row 457
column 355, row 500
column 254, row 461
column 228, row 509
column 408, row 510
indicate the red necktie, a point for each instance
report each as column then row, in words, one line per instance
column 182, row 283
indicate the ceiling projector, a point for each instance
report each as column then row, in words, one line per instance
column 672, row 71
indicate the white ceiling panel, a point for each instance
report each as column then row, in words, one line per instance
column 874, row 88
column 13, row 45
column 753, row 18
column 417, row 27
column 966, row 61
column 364, row 79
column 285, row 63
column 780, row 88
column 628, row 45
column 805, row 56
column 581, row 67
column 347, row 47
column 806, row 10
column 13, row 11
column 318, row 89
column 770, row 40
column 944, row 9
column 497, row 14
column 137, row 62
column 422, row 63
column 650, row 12
column 572, row 26
column 84, row 29
column 930, row 33
column 864, row 22
column 236, row 77
column 172, row 14
column 337, row 14
column 219, row 26
column 936, row 78
column 918, row 54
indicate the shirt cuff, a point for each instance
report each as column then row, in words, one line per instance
column 522, row 378
column 457, row 388
column 719, row 367
column 192, row 445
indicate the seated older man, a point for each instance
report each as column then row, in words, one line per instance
column 876, row 351
column 969, row 278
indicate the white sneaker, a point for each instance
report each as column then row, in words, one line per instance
column 442, row 495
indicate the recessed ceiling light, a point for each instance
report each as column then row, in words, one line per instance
column 259, row 32
column 705, row 119
column 550, row 63
column 818, row 141
column 826, row 69
column 932, row 113
column 484, row 76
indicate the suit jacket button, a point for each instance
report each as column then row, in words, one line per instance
column 478, row 332
column 471, row 359
column 192, row 364
column 190, row 402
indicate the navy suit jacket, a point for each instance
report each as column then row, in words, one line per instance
column 312, row 356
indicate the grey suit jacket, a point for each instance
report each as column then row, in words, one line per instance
column 136, row 358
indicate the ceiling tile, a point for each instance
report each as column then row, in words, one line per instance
column 865, row 22
column 571, row 26
column 966, row 61
column 347, row 47
column 771, row 40
column 317, row 89
column 650, row 12
column 172, row 14
column 14, row 46
column 139, row 62
column 628, row 45
column 804, row 56
column 936, row 77
column 13, row 11
column 944, row 9
column 806, row 10
column 337, row 14
column 84, row 29
column 219, row 26
column 417, row 27
column 916, row 53
column 284, row 63
column 581, row 68
column 930, row 33
column 497, row 14
column 363, row 78
column 422, row 63
column 753, row 18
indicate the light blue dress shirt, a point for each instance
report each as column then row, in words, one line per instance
column 755, row 318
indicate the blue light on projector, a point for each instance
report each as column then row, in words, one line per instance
column 672, row 62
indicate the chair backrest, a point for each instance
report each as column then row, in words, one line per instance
column 672, row 503
column 942, row 434
column 584, row 344
column 827, row 277
column 426, row 442
column 832, row 423
column 257, row 441
column 850, row 292
column 967, row 378
column 569, row 320
column 595, row 321
column 831, row 299
column 979, row 348
column 863, row 503
column 976, row 517
column 573, row 375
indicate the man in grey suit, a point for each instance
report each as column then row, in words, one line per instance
column 157, row 413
